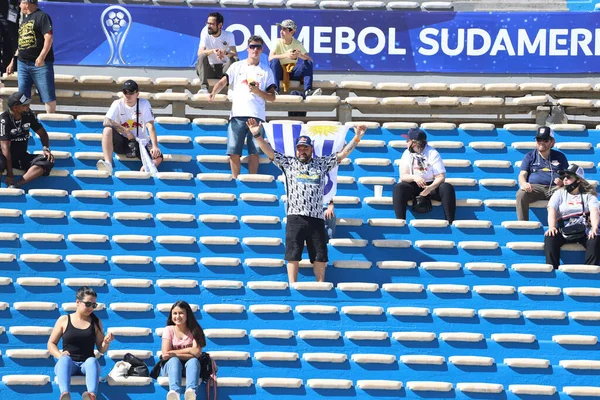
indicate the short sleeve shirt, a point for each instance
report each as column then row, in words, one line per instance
column 305, row 183
column 224, row 41
column 281, row 47
column 31, row 36
column 177, row 343
column 427, row 164
column 17, row 132
column 239, row 76
column 569, row 206
column 542, row 171
column 126, row 117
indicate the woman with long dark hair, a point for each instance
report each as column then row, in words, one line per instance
column 80, row 332
column 182, row 343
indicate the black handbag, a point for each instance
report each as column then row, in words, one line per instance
column 138, row 367
column 422, row 204
column 577, row 230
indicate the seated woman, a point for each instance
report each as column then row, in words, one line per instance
column 422, row 173
column 80, row 332
column 182, row 343
column 570, row 206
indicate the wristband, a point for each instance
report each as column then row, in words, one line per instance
column 46, row 148
column 256, row 136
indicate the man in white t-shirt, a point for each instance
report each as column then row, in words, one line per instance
column 216, row 51
column 126, row 126
column 422, row 173
column 252, row 83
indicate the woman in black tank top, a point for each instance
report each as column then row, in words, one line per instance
column 80, row 332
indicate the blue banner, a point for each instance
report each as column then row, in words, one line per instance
column 338, row 41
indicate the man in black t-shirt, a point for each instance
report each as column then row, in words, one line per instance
column 14, row 137
column 9, row 27
column 35, row 57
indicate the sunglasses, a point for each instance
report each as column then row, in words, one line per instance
column 89, row 304
column 255, row 46
column 129, row 91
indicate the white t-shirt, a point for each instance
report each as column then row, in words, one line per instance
column 244, row 103
column 427, row 164
column 224, row 41
column 569, row 206
column 125, row 115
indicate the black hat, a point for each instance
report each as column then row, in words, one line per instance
column 130, row 85
column 303, row 141
column 17, row 99
column 544, row 133
column 416, row 134
column 573, row 170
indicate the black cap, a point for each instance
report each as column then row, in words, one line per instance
column 544, row 133
column 130, row 85
column 416, row 134
column 573, row 170
column 17, row 99
column 303, row 141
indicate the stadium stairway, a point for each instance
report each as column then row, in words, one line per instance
column 411, row 309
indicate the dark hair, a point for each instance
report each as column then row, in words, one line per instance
column 191, row 322
column 88, row 291
column 256, row 38
column 218, row 17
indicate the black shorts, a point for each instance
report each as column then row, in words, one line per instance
column 312, row 230
column 26, row 161
column 121, row 145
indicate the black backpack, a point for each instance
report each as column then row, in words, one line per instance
column 208, row 374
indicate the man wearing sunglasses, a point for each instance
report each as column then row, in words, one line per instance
column 126, row 126
column 539, row 172
column 252, row 83
column 289, row 60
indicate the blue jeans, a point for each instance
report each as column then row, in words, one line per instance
column 303, row 69
column 174, row 370
column 237, row 131
column 43, row 77
column 65, row 368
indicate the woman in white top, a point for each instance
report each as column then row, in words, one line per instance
column 570, row 206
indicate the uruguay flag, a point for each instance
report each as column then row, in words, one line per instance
column 327, row 139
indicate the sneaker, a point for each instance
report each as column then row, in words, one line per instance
column 314, row 92
column 88, row 396
column 190, row 394
column 104, row 166
column 172, row 395
column 203, row 90
column 65, row 396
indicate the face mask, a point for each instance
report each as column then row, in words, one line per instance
column 572, row 186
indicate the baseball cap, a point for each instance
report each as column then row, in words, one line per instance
column 130, row 85
column 288, row 23
column 573, row 170
column 416, row 134
column 29, row 1
column 17, row 99
column 544, row 133
column 303, row 141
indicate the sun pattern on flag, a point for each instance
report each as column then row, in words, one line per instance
column 322, row 130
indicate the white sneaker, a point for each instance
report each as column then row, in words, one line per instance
column 190, row 395
column 104, row 166
column 314, row 92
column 172, row 395
column 203, row 90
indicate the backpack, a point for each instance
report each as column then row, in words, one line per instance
column 208, row 374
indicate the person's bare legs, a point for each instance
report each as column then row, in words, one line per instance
column 319, row 269
column 253, row 164
column 107, row 144
column 50, row 107
column 236, row 165
column 292, row 270
column 32, row 173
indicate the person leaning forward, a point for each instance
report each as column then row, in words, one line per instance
column 305, row 185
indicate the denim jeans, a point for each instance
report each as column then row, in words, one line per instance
column 174, row 370
column 65, row 368
column 43, row 77
column 303, row 69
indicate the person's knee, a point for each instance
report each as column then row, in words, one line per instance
column 64, row 360
column 192, row 362
column 275, row 64
column 173, row 364
column 521, row 195
column 45, row 164
column 307, row 65
column 447, row 188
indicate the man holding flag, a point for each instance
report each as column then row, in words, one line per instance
column 306, row 179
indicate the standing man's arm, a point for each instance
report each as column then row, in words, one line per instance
column 359, row 131
column 269, row 95
column 48, row 39
column 264, row 145
column 218, row 87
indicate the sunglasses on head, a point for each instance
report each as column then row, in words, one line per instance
column 255, row 46
column 89, row 304
column 128, row 91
